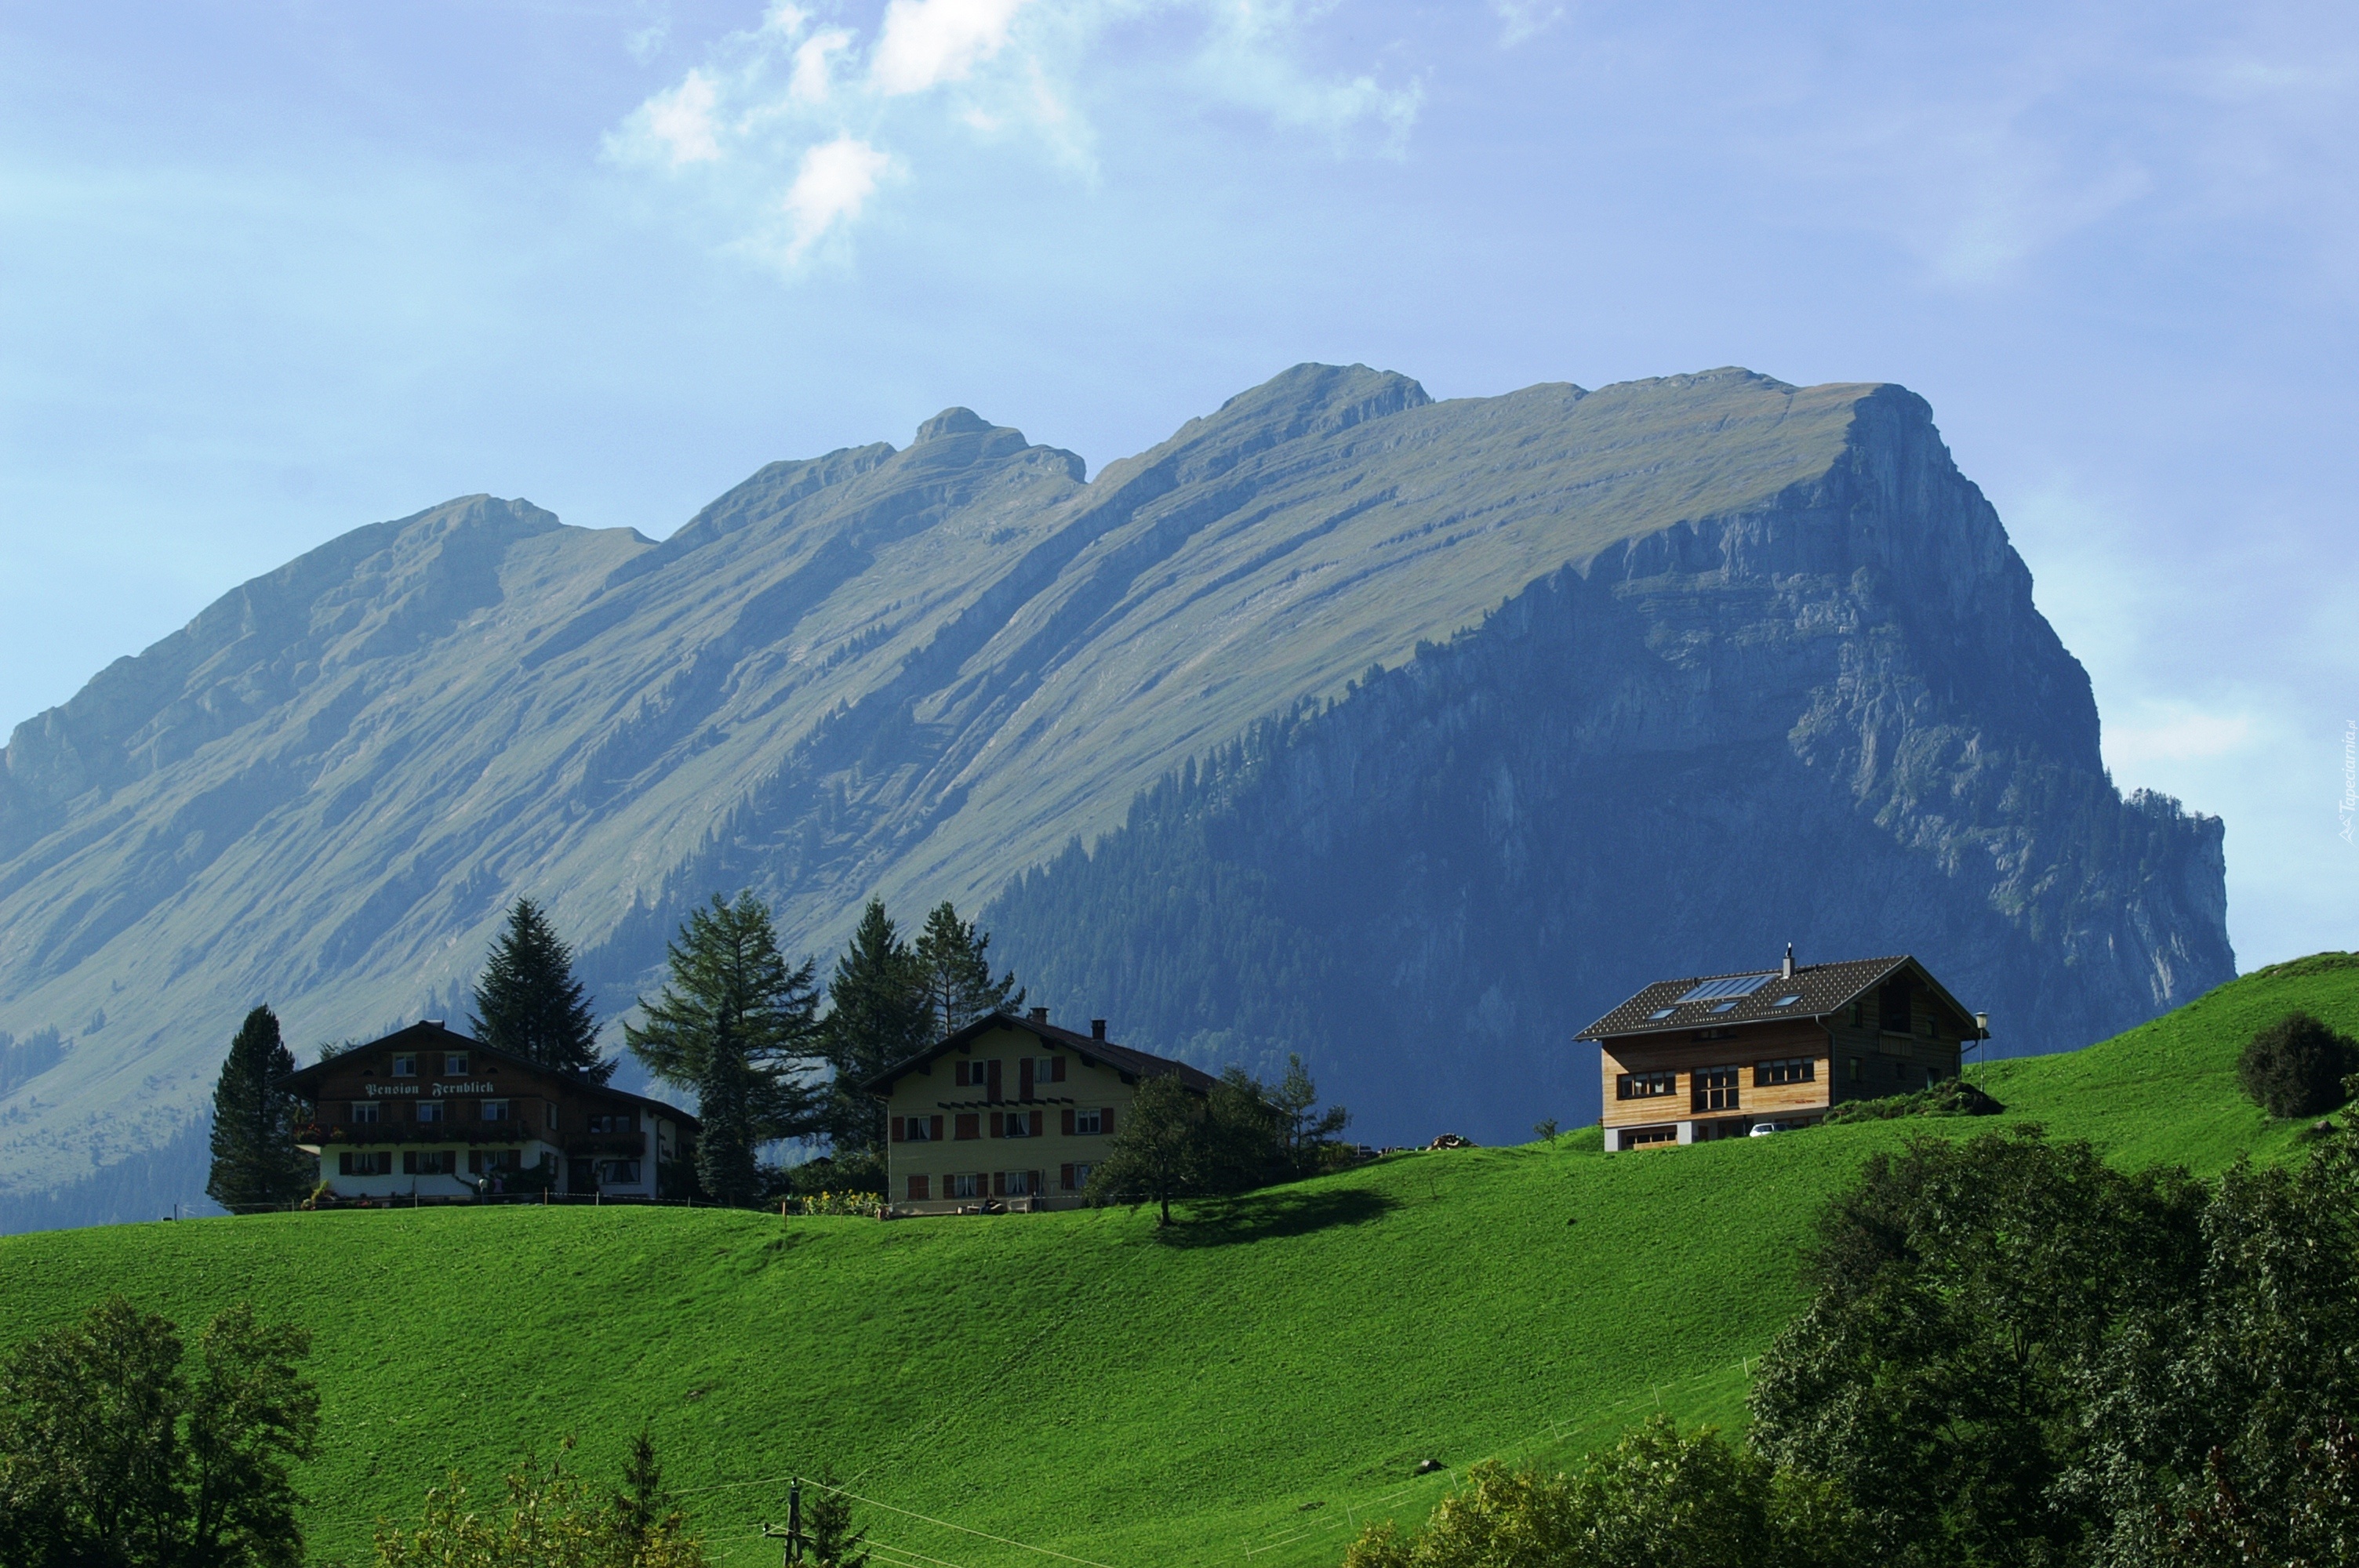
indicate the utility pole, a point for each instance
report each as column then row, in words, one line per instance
column 793, row 1534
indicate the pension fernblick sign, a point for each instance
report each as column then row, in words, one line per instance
column 439, row 1089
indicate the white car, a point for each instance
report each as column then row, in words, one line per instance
column 1764, row 1129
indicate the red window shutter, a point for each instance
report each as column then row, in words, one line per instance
column 1069, row 1123
column 1106, row 1119
column 967, row 1124
column 998, row 1124
column 917, row 1189
column 1065, row 1178
column 1024, row 1078
column 999, row 1183
column 897, row 1130
column 1057, row 1069
column 990, row 1079
column 936, row 1128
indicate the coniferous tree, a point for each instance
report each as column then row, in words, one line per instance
column 879, row 1014
column 738, row 1028
column 954, row 970
column 528, row 1003
column 833, row 1542
column 1306, row 1129
column 255, row 1161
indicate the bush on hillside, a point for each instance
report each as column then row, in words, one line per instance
column 555, row 1520
column 1656, row 1496
column 2296, row 1066
column 1951, row 1096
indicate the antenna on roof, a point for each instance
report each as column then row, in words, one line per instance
column 1789, row 972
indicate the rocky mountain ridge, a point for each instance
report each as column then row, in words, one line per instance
column 921, row 672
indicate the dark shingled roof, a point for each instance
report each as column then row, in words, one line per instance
column 1130, row 1063
column 1821, row 988
column 431, row 1034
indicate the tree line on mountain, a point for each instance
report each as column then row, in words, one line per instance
column 2013, row 1354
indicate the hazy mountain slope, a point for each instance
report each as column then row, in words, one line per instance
column 920, row 670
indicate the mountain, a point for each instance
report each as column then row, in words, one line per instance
column 1407, row 734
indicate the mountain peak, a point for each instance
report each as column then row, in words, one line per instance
column 951, row 422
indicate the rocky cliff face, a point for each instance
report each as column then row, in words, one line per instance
column 1663, row 675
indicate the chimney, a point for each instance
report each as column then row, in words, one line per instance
column 1789, row 961
column 1040, row 1015
column 1097, row 1028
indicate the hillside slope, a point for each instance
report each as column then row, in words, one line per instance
column 1775, row 617
column 1246, row 1392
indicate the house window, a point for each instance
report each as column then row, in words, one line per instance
column 970, row 1125
column 429, row 1162
column 1076, row 1177
column 921, row 1189
column 495, row 1162
column 1016, row 1124
column 1786, row 1070
column 1714, row 1089
column 921, row 1128
column 495, row 1110
column 1858, row 1070
column 364, row 1110
column 615, row 1121
column 1048, row 1070
column 404, row 1066
column 967, row 1186
column 1660, row 1013
column 429, row 1110
column 1089, row 1122
column 1649, row 1137
column 1016, row 1183
column 619, row 1173
column 454, row 1064
column 1645, row 1086
column 369, row 1162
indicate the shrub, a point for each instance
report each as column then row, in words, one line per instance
column 1951, row 1096
column 2295, row 1065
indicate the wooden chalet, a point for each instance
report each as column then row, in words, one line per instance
column 428, row 1114
column 1010, row 1112
column 1708, row 1056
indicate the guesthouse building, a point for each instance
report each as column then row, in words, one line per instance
column 428, row 1115
column 1707, row 1056
column 1010, row 1112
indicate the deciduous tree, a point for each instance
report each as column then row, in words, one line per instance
column 528, row 1003
column 554, row 1519
column 2296, row 1066
column 255, row 1161
column 738, row 1027
column 116, row 1453
column 1156, row 1150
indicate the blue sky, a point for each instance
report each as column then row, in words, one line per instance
column 270, row 271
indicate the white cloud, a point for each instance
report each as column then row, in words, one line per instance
column 818, row 112
column 926, row 43
column 1520, row 20
column 678, row 126
column 2178, row 733
column 834, row 181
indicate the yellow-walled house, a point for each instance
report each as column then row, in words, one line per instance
column 1009, row 1110
column 1706, row 1056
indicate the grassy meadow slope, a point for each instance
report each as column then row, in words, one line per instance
column 1246, row 1392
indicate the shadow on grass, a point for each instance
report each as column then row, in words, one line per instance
column 1262, row 1216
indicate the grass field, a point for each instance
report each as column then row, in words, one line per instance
column 1245, row 1392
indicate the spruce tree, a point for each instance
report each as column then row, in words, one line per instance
column 528, row 1003
column 738, row 1028
column 877, row 1015
column 954, row 971
column 255, row 1161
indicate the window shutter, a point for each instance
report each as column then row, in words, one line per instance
column 998, row 1124
column 935, row 1128
column 1068, row 1124
column 999, row 1183
column 1057, row 1070
column 899, row 1135
column 1065, row 1178
column 1105, row 1123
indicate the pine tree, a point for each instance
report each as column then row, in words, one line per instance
column 954, row 971
column 877, row 1015
column 833, row 1542
column 255, row 1161
column 528, row 1003
column 738, row 1028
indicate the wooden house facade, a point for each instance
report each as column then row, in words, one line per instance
column 1706, row 1056
column 428, row 1114
column 1010, row 1113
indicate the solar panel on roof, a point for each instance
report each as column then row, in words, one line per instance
column 1735, row 984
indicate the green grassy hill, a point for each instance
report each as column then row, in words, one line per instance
column 1243, row 1393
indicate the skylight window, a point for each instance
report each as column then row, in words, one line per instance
column 1734, row 986
column 1724, row 1007
column 1787, row 1000
column 1660, row 1012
